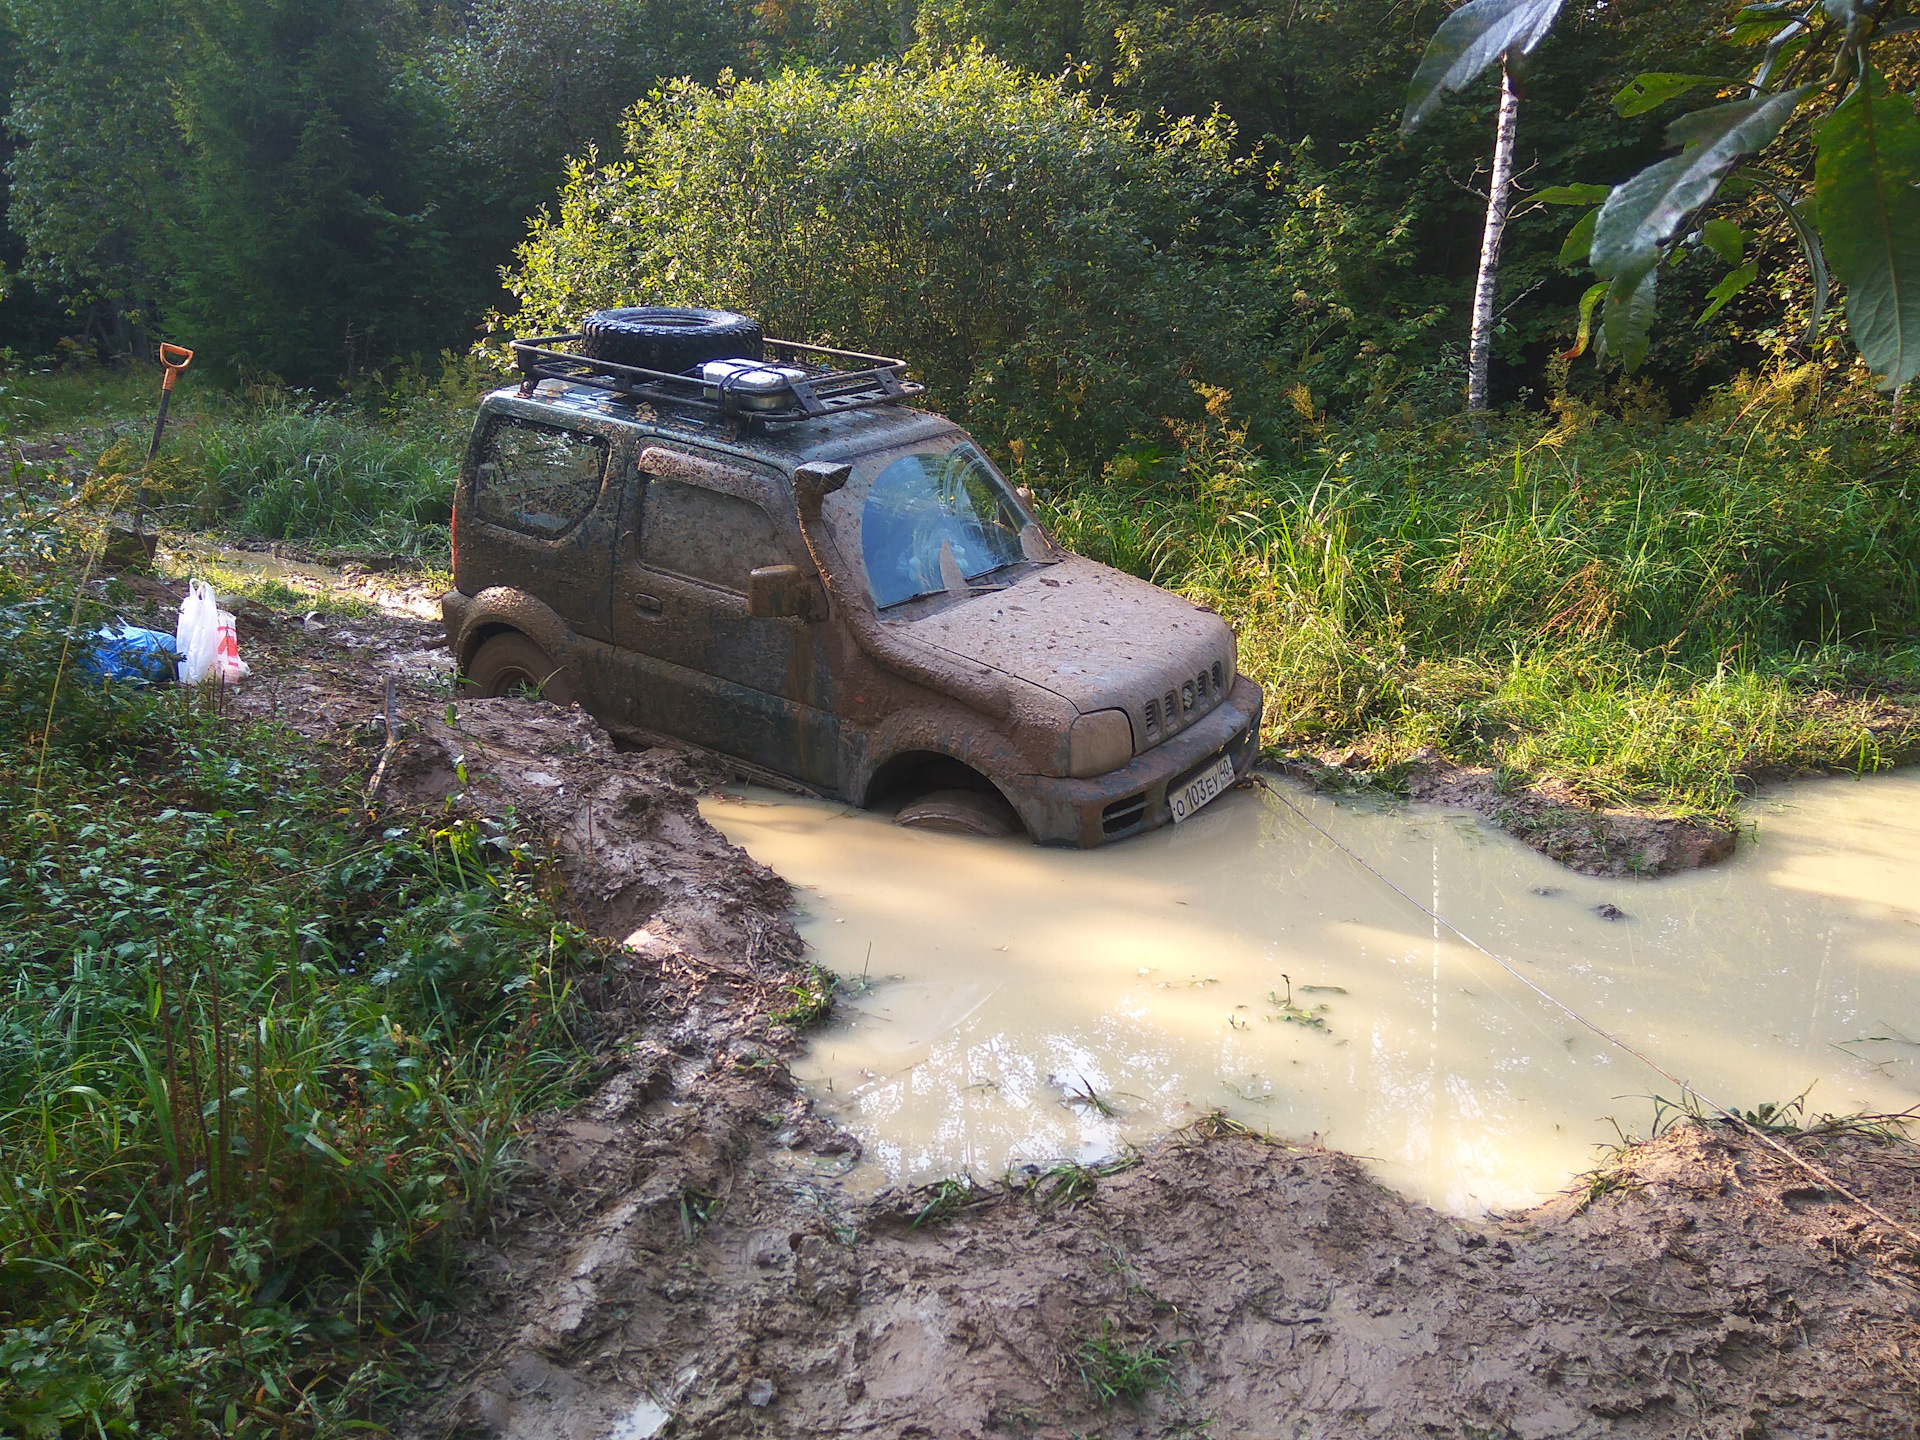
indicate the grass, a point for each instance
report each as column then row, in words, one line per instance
column 810, row 1000
column 262, row 1053
column 1115, row 1371
column 370, row 473
column 1661, row 614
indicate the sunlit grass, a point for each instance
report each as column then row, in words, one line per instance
column 1660, row 615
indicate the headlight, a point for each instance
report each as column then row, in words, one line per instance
column 1098, row 743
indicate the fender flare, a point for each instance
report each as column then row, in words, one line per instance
column 502, row 607
column 928, row 730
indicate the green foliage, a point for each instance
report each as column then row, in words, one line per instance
column 259, row 1063
column 1641, row 217
column 1865, row 178
column 1049, row 267
column 286, row 473
column 1651, row 613
column 1866, row 167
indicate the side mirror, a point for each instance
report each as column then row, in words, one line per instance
column 780, row 592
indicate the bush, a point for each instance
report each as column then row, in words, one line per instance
column 1051, row 269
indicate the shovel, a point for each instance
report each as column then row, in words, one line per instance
column 175, row 358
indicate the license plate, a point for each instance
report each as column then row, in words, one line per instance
column 1205, row 786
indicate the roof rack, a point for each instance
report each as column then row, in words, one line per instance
column 821, row 388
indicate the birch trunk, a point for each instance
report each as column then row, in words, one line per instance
column 1499, row 201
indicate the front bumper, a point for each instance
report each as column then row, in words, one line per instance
column 1133, row 798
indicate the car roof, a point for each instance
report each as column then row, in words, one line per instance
column 831, row 438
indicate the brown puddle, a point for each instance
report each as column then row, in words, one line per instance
column 1022, row 1005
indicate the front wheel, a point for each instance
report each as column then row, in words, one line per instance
column 960, row 812
column 511, row 664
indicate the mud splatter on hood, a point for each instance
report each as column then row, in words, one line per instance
column 1094, row 636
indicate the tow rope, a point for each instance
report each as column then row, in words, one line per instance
column 1686, row 1089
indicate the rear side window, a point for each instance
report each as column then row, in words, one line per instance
column 537, row 478
column 706, row 535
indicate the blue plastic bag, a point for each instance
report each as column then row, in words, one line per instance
column 126, row 652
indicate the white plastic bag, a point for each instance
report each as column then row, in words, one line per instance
column 206, row 639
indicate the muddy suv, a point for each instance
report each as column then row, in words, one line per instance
column 755, row 546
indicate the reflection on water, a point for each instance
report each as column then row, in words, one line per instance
column 1024, row 1004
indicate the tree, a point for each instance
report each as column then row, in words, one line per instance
column 312, row 237
column 1044, row 263
column 526, row 86
column 96, row 156
column 1467, row 42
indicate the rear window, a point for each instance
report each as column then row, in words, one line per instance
column 706, row 535
column 538, row 479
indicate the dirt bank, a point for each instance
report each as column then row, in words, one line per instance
column 1551, row 816
column 678, row 1257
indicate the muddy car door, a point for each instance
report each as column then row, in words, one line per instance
column 694, row 661
column 542, row 516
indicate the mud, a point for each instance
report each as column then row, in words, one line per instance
column 677, row 1257
column 1550, row 815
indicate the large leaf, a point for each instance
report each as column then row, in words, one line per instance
column 1729, row 287
column 1627, row 317
column 1643, row 215
column 1809, row 238
column 1571, row 195
column 1579, row 242
column 1467, row 42
column 1595, row 294
column 1644, row 92
column 1725, row 239
column 1866, row 165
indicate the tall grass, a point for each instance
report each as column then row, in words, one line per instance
column 372, row 471
column 261, row 1056
column 1660, row 614
column 291, row 474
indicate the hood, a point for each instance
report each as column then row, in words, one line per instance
column 1099, row 639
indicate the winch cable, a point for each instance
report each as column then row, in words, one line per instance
column 1817, row 1171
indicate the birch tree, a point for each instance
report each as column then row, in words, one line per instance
column 1467, row 42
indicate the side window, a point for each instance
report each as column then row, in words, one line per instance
column 537, row 478
column 706, row 535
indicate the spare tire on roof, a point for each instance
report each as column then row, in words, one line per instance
column 669, row 337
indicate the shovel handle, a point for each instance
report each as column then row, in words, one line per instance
column 176, row 358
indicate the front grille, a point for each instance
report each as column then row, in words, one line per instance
column 1161, row 717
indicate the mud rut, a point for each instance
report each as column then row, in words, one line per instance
column 670, row 1260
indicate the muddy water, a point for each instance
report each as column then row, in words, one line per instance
column 1010, row 1005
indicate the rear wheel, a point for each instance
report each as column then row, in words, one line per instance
column 960, row 812
column 512, row 664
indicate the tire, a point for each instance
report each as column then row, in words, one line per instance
column 669, row 338
column 511, row 662
column 960, row 812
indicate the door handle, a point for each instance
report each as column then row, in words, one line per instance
column 645, row 603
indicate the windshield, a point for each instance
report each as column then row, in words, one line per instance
column 933, row 522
